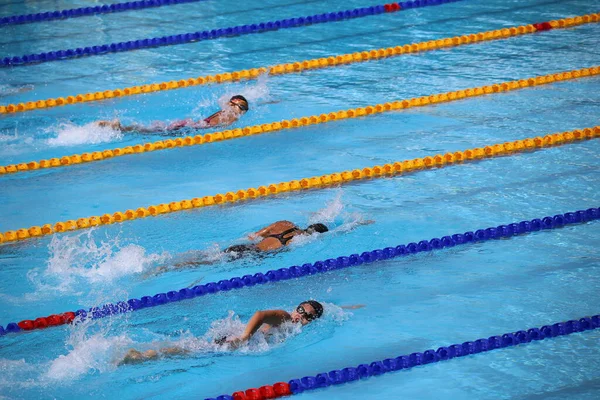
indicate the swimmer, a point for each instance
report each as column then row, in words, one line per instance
column 264, row 320
column 274, row 237
column 236, row 107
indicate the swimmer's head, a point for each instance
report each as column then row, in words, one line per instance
column 239, row 102
column 307, row 311
column 318, row 228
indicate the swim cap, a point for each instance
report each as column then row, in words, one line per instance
column 245, row 107
column 316, row 305
column 317, row 228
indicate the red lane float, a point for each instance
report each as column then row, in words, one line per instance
column 279, row 389
column 543, row 26
column 44, row 322
column 393, row 7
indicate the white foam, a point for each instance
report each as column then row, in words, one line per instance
column 9, row 138
column 69, row 135
column 100, row 353
column 17, row 374
column 12, row 144
column 332, row 210
column 82, row 257
column 255, row 92
column 232, row 327
column 336, row 217
column 334, row 313
column 229, row 327
column 95, row 353
column 6, row 90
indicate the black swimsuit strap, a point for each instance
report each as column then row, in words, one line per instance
column 280, row 236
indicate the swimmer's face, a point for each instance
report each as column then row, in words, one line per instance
column 238, row 106
column 304, row 314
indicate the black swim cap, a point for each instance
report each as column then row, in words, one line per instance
column 316, row 305
column 240, row 97
column 317, row 228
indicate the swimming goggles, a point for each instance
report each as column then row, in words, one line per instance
column 242, row 107
column 309, row 317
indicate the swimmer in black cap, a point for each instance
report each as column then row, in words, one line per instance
column 269, row 239
column 235, row 108
column 264, row 320
column 273, row 237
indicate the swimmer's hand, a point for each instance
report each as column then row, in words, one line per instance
column 367, row 222
column 236, row 342
column 233, row 342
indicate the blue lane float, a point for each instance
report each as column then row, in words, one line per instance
column 407, row 361
column 331, row 264
column 86, row 11
column 214, row 33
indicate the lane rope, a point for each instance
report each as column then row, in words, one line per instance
column 296, row 271
column 315, row 182
column 376, row 368
column 189, row 37
column 86, row 11
column 76, row 159
column 305, row 65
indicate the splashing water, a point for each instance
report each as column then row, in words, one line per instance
column 98, row 352
column 70, row 134
column 12, row 144
column 335, row 217
column 17, row 374
column 80, row 256
column 334, row 313
column 9, row 138
column 95, row 353
column 332, row 210
column 232, row 326
column 7, row 90
column 254, row 93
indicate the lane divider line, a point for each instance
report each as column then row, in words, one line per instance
column 190, row 37
column 315, row 182
column 376, row 368
column 75, row 159
column 296, row 271
column 86, row 11
column 305, row 65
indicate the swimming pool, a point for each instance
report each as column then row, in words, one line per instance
column 412, row 303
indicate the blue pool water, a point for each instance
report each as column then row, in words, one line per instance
column 411, row 304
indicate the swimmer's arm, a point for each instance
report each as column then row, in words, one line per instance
column 266, row 231
column 137, row 128
column 173, row 351
column 270, row 317
column 220, row 119
column 134, row 357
